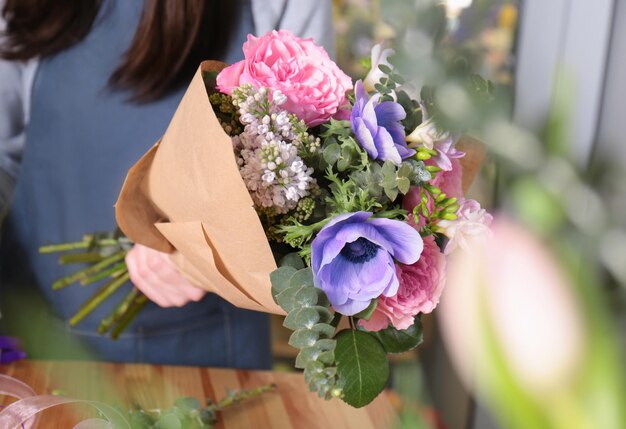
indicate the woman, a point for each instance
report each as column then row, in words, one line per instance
column 87, row 87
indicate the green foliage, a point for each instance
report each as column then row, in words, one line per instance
column 347, row 197
column 399, row 341
column 362, row 367
column 189, row 413
column 309, row 316
column 367, row 313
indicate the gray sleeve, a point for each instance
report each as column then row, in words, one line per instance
column 305, row 18
column 12, row 126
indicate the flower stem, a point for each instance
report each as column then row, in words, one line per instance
column 235, row 398
column 103, row 293
column 85, row 273
column 85, row 244
column 115, row 271
column 118, row 312
column 129, row 315
column 80, row 258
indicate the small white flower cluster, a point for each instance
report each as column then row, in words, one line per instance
column 267, row 150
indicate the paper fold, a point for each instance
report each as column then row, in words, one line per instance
column 186, row 194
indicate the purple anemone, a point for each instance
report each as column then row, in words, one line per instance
column 377, row 126
column 353, row 258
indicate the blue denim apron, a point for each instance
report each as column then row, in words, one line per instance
column 81, row 140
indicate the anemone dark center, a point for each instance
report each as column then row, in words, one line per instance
column 359, row 251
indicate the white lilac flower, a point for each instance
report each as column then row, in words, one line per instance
column 267, row 151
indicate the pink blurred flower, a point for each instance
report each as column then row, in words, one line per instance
column 472, row 224
column 420, row 288
column 451, row 181
column 511, row 289
column 314, row 85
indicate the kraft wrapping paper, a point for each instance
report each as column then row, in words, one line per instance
column 185, row 196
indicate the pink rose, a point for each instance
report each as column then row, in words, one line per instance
column 313, row 84
column 420, row 288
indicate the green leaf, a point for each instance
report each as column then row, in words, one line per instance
column 400, row 341
column 322, row 350
column 187, row 404
column 367, row 313
column 303, row 338
column 287, row 298
column 404, row 185
column 310, row 296
column 362, row 367
column 384, row 68
column 307, row 317
column 331, row 153
column 292, row 260
column 280, row 280
column 303, row 277
column 327, row 358
column 392, row 193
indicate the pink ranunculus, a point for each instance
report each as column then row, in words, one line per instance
column 420, row 288
column 314, row 85
column 472, row 224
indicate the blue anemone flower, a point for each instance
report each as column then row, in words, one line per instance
column 377, row 126
column 353, row 258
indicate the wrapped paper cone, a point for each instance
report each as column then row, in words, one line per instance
column 475, row 154
column 186, row 196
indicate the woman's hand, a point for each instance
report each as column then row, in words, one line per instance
column 154, row 274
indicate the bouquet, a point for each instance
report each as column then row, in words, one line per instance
column 285, row 188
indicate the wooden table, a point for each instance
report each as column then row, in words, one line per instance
column 291, row 406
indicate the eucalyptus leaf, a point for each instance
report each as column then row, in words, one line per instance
column 306, row 354
column 331, row 153
column 404, row 184
column 362, row 367
column 303, row 338
column 324, row 330
column 307, row 317
column 292, row 260
column 400, row 341
column 303, row 277
column 287, row 298
column 280, row 279
column 327, row 358
column 392, row 193
column 309, row 296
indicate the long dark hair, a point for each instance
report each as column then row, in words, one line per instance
column 172, row 38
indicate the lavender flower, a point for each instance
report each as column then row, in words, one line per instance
column 377, row 126
column 353, row 259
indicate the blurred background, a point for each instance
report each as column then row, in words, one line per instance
column 541, row 346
